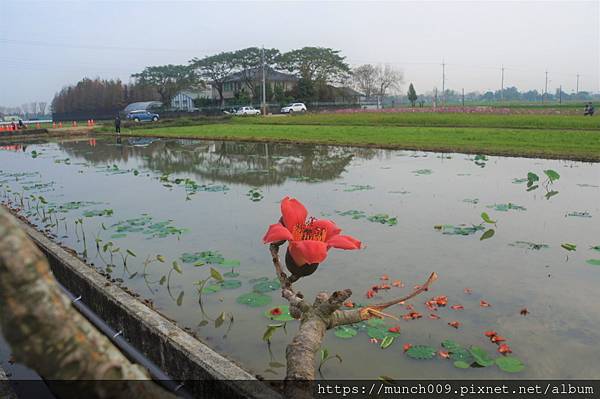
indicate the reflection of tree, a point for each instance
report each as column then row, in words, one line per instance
column 256, row 164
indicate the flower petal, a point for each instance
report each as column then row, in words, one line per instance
column 329, row 226
column 308, row 251
column 277, row 232
column 343, row 242
column 293, row 212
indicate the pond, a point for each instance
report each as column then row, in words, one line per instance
column 206, row 204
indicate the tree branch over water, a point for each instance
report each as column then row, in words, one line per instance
column 315, row 319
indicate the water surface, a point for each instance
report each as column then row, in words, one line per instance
column 145, row 178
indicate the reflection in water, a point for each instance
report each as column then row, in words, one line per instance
column 256, row 164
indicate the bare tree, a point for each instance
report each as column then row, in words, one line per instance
column 365, row 79
column 42, row 107
column 388, row 79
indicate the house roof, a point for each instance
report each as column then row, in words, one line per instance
column 196, row 94
column 348, row 92
column 141, row 106
column 270, row 74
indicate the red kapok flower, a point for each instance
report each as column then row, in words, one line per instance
column 309, row 238
column 276, row 312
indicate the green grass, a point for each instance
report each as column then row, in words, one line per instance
column 562, row 144
column 516, row 121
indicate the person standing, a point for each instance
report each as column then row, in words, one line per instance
column 118, row 124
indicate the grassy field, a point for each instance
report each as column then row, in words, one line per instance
column 516, row 121
column 562, row 144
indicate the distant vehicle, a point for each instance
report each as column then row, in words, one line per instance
column 245, row 111
column 230, row 111
column 293, row 107
column 143, row 116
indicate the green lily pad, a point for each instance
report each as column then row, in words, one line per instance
column 584, row 214
column 266, row 286
column 118, row 235
column 254, row 299
column 345, row 332
column 593, row 262
column 284, row 314
column 529, row 245
column 421, row 352
column 450, row 345
column 231, row 274
column 481, row 356
column 462, row 229
column 507, row 207
column 461, row 354
column 258, row 280
column 211, row 289
column 509, row 364
column 231, row 284
column 422, row 172
column 461, row 364
column 376, row 332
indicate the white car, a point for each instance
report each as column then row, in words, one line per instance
column 244, row 111
column 294, row 107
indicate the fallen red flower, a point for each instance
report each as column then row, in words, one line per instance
column 484, row 304
column 444, row 354
column 384, row 286
column 497, row 338
column 431, row 305
column 395, row 329
column 457, row 307
column 384, row 277
column 468, row 291
column 454, row 324
column 504, row 349
column 524, row 312
column 412, row 316
column 370, row 294
column 490, row 333
column 434, row 316
column 275, row 312
column 406, row 347
column 398, row 283
column 441, row 300
column 349, row 304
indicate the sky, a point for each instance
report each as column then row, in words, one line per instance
column 46, row 45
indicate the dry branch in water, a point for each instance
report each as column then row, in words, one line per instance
column 47, row 334
column 315, row 320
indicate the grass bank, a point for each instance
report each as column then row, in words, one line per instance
column 431, row 119
column 581, row 145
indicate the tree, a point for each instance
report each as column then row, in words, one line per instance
column 216, row 69
column 364, row 78
column 42, row 107
column 168, row 80
column 412, row 94
column 249, row 61
column 388, row 79
column 315, row 64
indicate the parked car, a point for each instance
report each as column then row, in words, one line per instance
column 143, row 116
column 244, row 111
column 293, row 107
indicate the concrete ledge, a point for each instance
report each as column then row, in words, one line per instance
column 205, row 372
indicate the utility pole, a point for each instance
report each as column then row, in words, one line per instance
column 502, row 85
column 444, row 81
column 264, row 83
column 560, row 94
column 463, row 98
column 577, row 90
column 545, row 88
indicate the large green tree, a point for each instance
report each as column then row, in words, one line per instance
column 412, row 94
column 168, row 80
column 315, row 65
column 215, row 69
column 249, row 62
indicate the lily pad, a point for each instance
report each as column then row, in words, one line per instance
column 376, row 332
column 462, row 229
column 279, row 313
column 593, row 262
column 211, row 289
column 481, row 356
column 230, row 284
column 461, row 354
column 231, row 274
column 451, row 345
column 529, row 245
column 509, row 364
column 266, row 286
column 421, row 352
column 507, row 207
column 422, row 172
column 584, row 214
column 345, row 332
column 461, row 364
column 254, row 299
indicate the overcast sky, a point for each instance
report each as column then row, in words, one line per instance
column 46, row 45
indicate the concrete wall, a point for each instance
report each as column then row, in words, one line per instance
column 205, row 372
